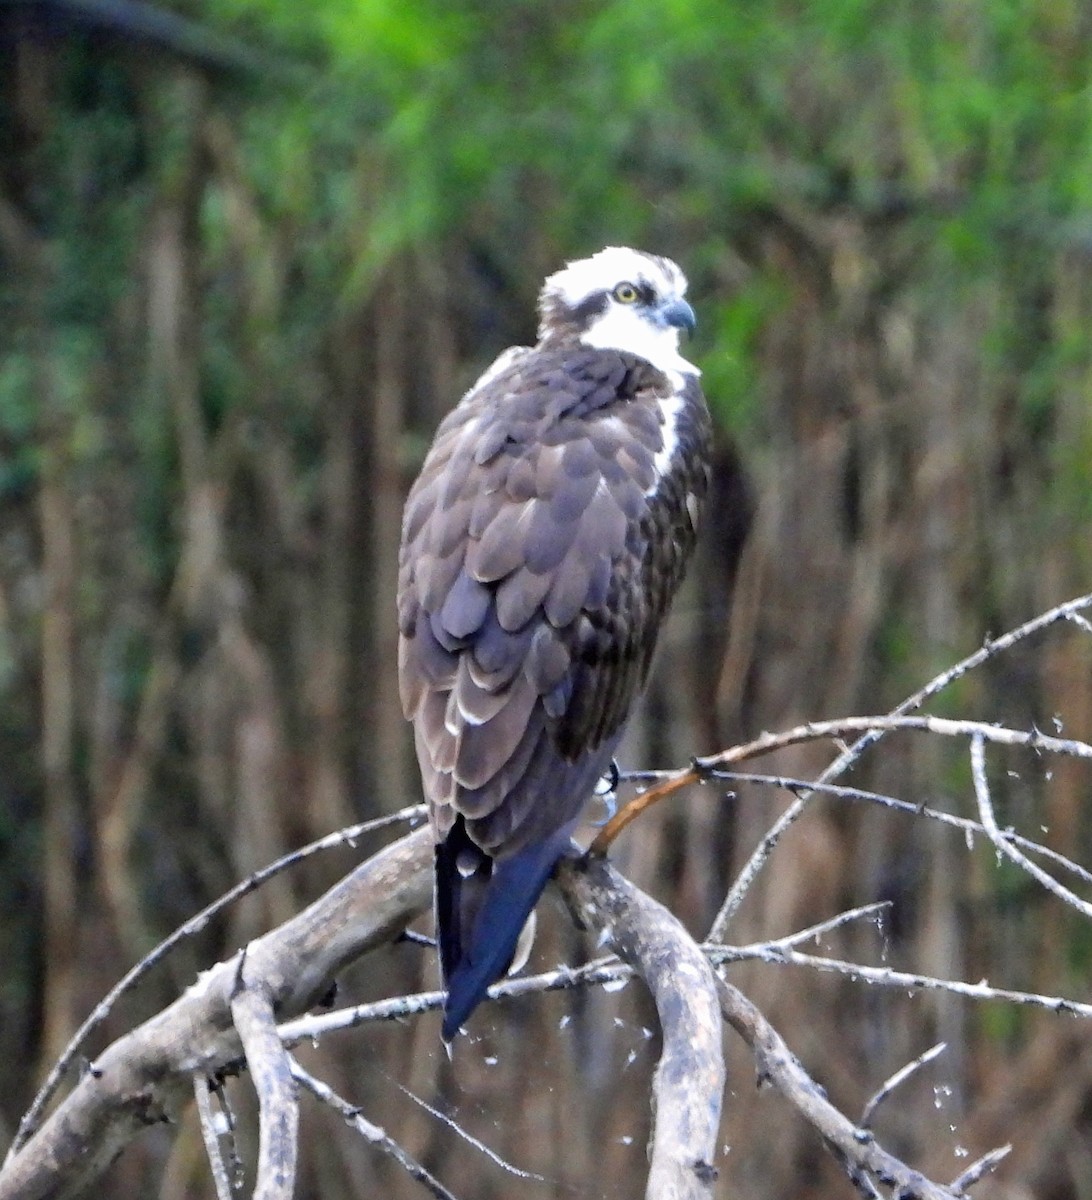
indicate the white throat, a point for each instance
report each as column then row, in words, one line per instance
column 625, row 329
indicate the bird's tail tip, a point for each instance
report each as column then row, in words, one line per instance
column 495, row 929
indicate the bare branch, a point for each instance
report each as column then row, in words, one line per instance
column 342, row 837
column 979, row 1169
column 857, row 1150
column 1033, row 739
column 822, row 927
column 211, row 1137
column 912, row 809
column 278, row 1103
column 145, row 1077
column 372, row 1133
column 848, row 757
column 896, row 1080
column 906, row 981
column 398, row 1008
column 1003, row 842
column 690, row 1077
column 313, row 1026
column 477, row 1143
column 870, row 729
column 779, row 952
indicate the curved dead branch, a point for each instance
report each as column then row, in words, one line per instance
column 690, row 1077
column 278, row 1101
column 231, row 1012
column 146, row 1077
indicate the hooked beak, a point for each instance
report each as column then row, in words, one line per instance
column 679, row 314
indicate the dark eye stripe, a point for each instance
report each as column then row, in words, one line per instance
column 590, row 308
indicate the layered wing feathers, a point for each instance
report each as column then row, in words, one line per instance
column 530, row 584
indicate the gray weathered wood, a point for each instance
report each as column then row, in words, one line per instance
column 690, row 1078
column 145, row 1077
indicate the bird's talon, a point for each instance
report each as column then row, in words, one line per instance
column 609, row 780
column 609, row 802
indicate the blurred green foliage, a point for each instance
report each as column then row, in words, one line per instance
column 579, row 124
column 387, row 124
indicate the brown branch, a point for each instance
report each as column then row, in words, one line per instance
column 146, row 1077
column 815, row 731
column 690, row 1077
column 631, row 811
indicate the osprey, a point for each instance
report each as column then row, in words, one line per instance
column 541, row 546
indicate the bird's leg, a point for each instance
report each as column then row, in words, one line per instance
column 606, row 792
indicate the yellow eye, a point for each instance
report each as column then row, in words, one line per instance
column 626, row 293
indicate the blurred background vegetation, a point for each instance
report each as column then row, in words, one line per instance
column 250, row 252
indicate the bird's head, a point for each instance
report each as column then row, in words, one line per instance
column 621, row 299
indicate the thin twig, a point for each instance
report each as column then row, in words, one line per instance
column 471, row 1140
column 1003, row 842
column 887, row 977
column 896, row 1080
column 377, row 1136
column 967, row 825
column 210, row 1135
column 848, row 757
column 979, row 1169
column 814, row 932
column 342, row 837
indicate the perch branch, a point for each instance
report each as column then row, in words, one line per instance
column 278, row 1103
column 690, row 1077
column 343, row 837
column 145, row 1077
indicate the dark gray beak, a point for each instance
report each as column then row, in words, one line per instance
column 679, row 314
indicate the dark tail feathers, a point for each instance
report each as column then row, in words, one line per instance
column 481, row 907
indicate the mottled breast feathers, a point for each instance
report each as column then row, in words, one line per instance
column 541, row 545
